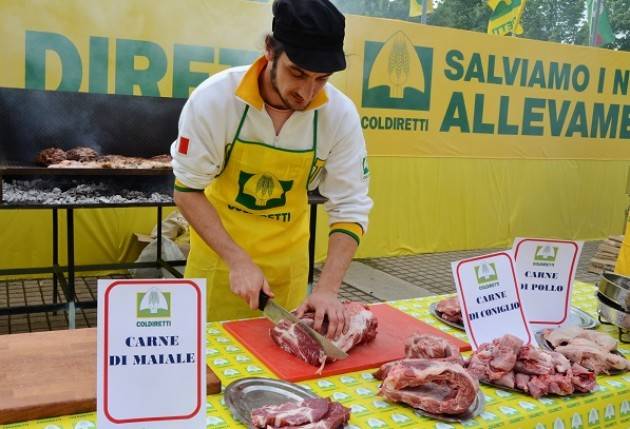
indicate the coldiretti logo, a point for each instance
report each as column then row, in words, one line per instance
column 153, row 304
column 486, row 274
column 397, row 74
column 262, row 191
column 545, row 255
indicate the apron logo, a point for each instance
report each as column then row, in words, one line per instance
column 262, row 191
column 397, row 74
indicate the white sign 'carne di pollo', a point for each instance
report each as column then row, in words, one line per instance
column 545, row 270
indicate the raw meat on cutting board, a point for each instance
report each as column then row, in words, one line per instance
column 430, row 346
column 292, row 338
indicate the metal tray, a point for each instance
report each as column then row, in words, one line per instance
column 616, row 288
column 244, row 395
column 582, row 319
column 577, row 317
column 546, row 345
column 438, row 316
column 475, row 409
column 612, row 313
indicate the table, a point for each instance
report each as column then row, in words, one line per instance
column 608, row 407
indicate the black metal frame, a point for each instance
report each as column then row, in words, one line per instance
column 68, row 285
column 58, row 271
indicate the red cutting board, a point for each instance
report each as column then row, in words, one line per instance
column 394, row 327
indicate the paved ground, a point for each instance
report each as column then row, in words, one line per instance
column 433, row 271
column 369, row 280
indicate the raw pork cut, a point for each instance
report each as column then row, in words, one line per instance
column 308, row 414
column 290, row 413
column 431, row 347
column 435, row 386
column 293, row 339
column 449, row 310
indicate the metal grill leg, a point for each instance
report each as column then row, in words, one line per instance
column 71, row 286
column 55, row 254
column 159, row 237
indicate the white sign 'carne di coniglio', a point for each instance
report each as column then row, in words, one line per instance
column 151, row 354
column 489, row 298
column 545, row 270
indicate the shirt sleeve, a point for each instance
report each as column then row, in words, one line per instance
column 199, row 150
column 346, row 179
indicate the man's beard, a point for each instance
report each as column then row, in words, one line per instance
column 274, row 84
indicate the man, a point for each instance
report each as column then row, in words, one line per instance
column 251, row 141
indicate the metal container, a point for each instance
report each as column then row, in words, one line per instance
column 612, row 313
column 616, row 288
column 577, row 318
column 244, row 395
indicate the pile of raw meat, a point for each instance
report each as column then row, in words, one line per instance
column 293, row 339
column 309, row 414
column 431, row 377
column 85, row 157
column 449, row 310
column 507, row 362
column 591, row 349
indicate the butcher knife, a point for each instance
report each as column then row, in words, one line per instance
column 276, row 313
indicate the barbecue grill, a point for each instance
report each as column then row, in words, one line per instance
column 33, row 120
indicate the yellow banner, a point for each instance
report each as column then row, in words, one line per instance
column 421, row 91
column 415, row 7
column 506, row 17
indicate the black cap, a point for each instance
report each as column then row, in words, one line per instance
column 312, row 33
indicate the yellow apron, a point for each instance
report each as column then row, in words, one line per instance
column 623, row 260
column 261, row 198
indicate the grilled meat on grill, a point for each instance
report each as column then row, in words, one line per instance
column 49, row 156
column 81, row 154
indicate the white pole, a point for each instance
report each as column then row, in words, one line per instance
column 425, row 8
column 595, row 21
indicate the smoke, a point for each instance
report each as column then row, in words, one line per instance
column 32, row 120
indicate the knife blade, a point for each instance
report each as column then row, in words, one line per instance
column 276, row 313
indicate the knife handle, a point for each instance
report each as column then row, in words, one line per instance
column 262, row 300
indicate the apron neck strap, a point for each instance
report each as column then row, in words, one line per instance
column 315, row 132
column 240, row 125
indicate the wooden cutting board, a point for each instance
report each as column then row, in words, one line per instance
column 50, row 374
column 394, row 327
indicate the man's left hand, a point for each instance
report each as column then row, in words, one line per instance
column 326, row 304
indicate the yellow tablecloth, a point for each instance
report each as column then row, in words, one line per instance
column 608, row 407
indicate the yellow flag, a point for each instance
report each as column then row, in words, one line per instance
column 506, row 16
column 415, row 7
